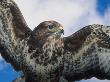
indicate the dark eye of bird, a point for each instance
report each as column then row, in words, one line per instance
column 50, row 26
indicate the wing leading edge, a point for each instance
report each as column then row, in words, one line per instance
column 87, row 53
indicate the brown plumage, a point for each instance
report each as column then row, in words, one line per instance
column 13, row 30
column 44, row 56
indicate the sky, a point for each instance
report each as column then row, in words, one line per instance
column 72, row 14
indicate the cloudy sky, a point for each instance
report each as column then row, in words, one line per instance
column 72, row 14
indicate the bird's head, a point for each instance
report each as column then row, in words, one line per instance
column 54, row 28
column 49, row 28
column 45, row 31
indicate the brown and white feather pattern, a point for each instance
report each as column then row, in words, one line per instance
column 92, row 57
column 44, row 56
column 45, row 64
column 56, row 59
column 10, row 33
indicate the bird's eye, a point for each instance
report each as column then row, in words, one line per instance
column 50, row 26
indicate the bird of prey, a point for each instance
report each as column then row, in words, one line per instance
column 44, row 56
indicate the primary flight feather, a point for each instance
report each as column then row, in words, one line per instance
column 44, row 56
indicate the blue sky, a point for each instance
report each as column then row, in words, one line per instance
column 72, row 14
column 102, row 6
column 7, row 73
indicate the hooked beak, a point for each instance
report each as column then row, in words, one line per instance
column 61, row 30
column 58, row 31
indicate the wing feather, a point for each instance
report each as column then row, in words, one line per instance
column 87, row 53
column 13, row 30
column 75, row 41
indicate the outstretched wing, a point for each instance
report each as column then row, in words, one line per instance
column 87, row 53
column 13, row 29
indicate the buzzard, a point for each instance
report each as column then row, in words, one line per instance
column 44, row 56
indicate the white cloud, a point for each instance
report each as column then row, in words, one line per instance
column 67, row 12
column 0, row 57
column 94, row 80
column 72, row 14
